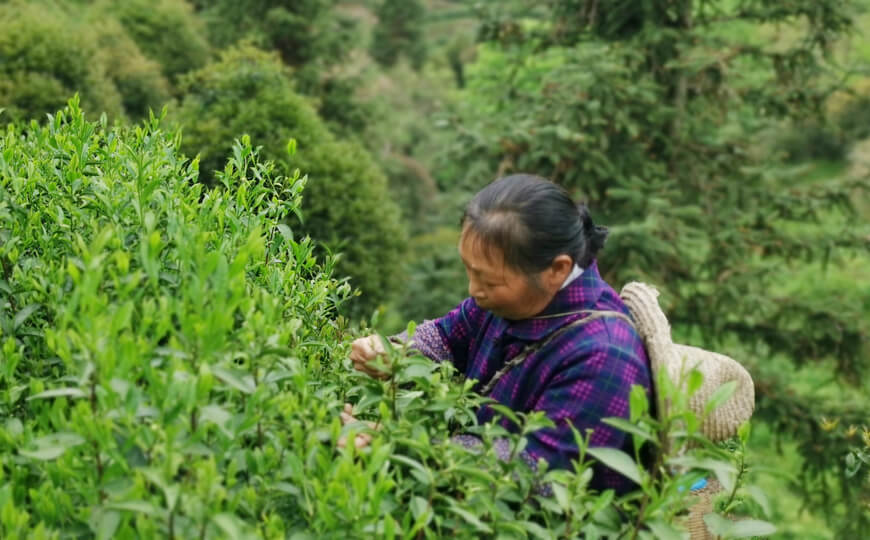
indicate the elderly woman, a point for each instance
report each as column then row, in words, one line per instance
column 540, row 331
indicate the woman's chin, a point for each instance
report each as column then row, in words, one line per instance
column 502, row 314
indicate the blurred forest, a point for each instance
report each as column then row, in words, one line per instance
column 725, row 143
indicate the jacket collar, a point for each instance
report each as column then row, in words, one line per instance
column 582, row 293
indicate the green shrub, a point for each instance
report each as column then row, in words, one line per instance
column 171, row 366
column 399, row 32
column 854, row 118
column 45, row 58
column 139, row 80
column 304, row 32
column 312, row 37
column 811, row 141
column 166, row 31
column 180, row 314
column 347, row 204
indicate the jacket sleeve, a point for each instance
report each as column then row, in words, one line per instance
column 448, row 337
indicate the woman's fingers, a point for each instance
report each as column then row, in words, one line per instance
column 376, row 345
column 363, row 351
column 362, row 439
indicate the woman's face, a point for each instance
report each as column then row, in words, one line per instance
column 498, row 288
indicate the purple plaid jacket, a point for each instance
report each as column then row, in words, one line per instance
column 580, row 377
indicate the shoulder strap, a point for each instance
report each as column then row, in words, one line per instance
column 591, row 315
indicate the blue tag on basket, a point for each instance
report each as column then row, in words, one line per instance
column 700, row 484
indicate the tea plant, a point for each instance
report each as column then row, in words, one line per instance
column 348, row 206
column 173, row 366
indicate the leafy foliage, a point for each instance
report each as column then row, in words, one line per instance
column 347, row 205
column 44, row 59
column 139, row 80
column 436, row 275
column 311, row 36
column 172, row 366
column 399, row 32
column 652, row 112
column 304, row 32
column 166, row 32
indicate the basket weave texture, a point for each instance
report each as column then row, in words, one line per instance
column 702, row 506
column 677, row 360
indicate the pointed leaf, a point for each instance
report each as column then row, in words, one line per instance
column 628, row 427
column 59, row 392
column 52, row 446
column 617, row 460
column 24, row 314
column 666, row 531
column 471, row 519
column 720, row 396
column 108, row 525
column 239, row 380
column 746, row 528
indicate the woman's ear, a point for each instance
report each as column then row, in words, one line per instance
column 559, row 270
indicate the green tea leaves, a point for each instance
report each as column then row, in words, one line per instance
column 235, row 378
column 52, row 446
column 24, row 314
column 618, row 461
column 59, row 392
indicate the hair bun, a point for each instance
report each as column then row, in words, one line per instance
column 595, row 235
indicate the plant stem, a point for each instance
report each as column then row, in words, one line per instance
column 393, row 392
column 740, row 471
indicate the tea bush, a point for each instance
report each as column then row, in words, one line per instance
column 172, row 366
column 347, row 204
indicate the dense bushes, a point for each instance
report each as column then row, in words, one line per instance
column 304, row 32
column 45, row 58
column 347, row 205
column 313, row 37
column 399, row 32
column 151, row 334
column 171, row 366
column 165, row 30
column 139, row 80
column 121, row 57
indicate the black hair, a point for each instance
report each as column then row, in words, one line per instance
column 532, row 221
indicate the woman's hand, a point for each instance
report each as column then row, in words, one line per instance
column 363, row 353
column 362, row 439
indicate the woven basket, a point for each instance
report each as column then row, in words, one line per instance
column 702, row 506
column 677, row 360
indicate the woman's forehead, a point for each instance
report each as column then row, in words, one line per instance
column 478, row 255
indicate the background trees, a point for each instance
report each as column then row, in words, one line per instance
column 660, row 115
column 47, row 58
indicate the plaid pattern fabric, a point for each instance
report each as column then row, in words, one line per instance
column 577, row 379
